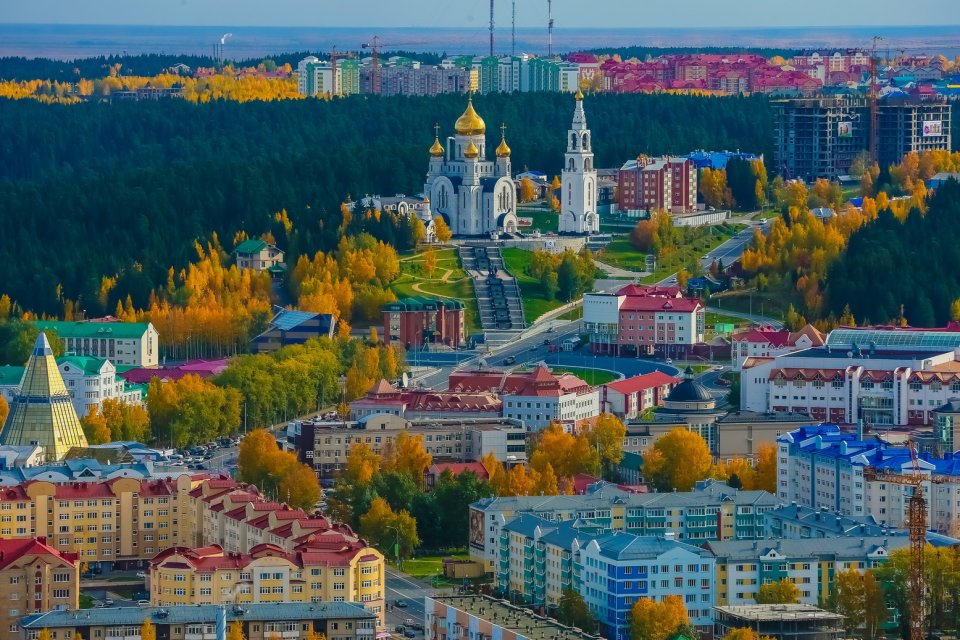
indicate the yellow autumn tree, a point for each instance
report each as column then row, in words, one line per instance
column 677, row 461
column 441, row 230
column 528, row 192
column 652, row 620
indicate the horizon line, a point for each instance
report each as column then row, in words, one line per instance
column 481, row 27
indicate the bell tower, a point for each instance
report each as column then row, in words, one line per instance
column 578, row 204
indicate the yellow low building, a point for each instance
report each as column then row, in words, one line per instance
column 34, row 577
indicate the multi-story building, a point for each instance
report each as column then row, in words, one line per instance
column 630, row 397
column 311, row 573
column 768, row 342
column 822, row 467
column 535, row 398
column 655, row 184
column 35, row 577
column 451, row 617
column 415, row 321
column 712, row 511
column 881, row 375
column 89, row 381
column 796, row 522
column 312, row 558
column 258, row 255
column 820, row 137
column 290, row 326
column 413, row 404
column 779, row 621
column 639, row 320
column 326, row 445
column 134, row 344
column 744, row 565
column 293, row 621
column 539, row 558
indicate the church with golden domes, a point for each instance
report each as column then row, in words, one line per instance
column 475, row 196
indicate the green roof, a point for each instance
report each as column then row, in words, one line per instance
column 88, row 329
column 252, row 245
column 632, row 461
column 422, row 303
column 10, row 375
column 90, row 364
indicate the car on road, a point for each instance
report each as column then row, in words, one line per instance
column 108, row 602
column 143, row 603
column 101, row 605
column 509, row 360
column 141, row 574
column 409, row 633
column 400, row 604
column 398, row 629
column 669, row 361
column 546, row 341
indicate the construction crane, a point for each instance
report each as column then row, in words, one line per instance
column 375, row 45
column 335, row 90
column 917, row 528
column 874, row 109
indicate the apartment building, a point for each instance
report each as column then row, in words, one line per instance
column 711, row 511
column 134, row 344
column 742, row 566
column 34, row 577
column 452, row 617
column 313, row 558
column 539, row 558
column 333, row 620
column 765, row 342
column 384, row 398
column 823, row 467
column 657, row 184
column 630, row 397
column 326, row 445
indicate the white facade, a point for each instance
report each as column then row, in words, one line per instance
column 315, row 77
column 537, row 412
column 578, row 206
column 475, row 195
column 90, row 381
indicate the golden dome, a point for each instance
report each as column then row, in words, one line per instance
column 470, row 124
column 503, row 150
column 437, row 149
column 471, row 151
column 579, row 95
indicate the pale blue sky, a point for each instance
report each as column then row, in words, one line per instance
column 469, row 13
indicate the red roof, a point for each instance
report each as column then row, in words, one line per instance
column 540, row 382
column 644, row 303
column 774, row 338
column 456, row 468
column 642, row 382
column 11, row 550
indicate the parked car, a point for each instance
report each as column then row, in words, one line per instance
column 669, row 361
column 143, row 603
column 399, row 628
column 108, row 602
column 509, row 360
column 141, row 574
column 409, row 633
column 401, row 604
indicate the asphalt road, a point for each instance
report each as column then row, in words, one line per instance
column 401, row 589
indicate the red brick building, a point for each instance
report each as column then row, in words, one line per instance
column 418, row 320
column 652, row 184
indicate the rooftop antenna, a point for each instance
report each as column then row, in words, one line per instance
column 491, row 28
column 513, row 30
column 549, row 28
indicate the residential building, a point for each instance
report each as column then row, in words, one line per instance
column 881, row 375
column 639, row 320
column 257, row 255
column 743, row 566
column 820, row 137
column 35, row 577
column 629, row 398
column 290, row 327
column 313, row 572
column 415, row 321
column 452, row 617
column 711, row 511
column 116, row 520
column 779, row 621
column 317, row 77
column 539, row 558
column 235, row 527
column 657, row 184
column 766, row 342
column 326, row 445
column 823, row 467
column 796, row 522
column 293, row 621
column 413, row 404
column 534, row 398
column 20, row 456
column 434, row 471
column 134, row 344
column 42, row 411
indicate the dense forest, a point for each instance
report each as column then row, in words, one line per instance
column 100, row 189
column 889, row 263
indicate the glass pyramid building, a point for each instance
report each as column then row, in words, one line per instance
column 42, row 412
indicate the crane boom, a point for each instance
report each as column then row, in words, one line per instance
column 375, row 45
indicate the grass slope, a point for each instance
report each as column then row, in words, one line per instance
column 535, row 303
column 414, row 282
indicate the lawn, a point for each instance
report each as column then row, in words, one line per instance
column 772, row 304
column 574, row 314
column 620, row 253
column 457, row 284
column 86, row 602
column 590, row 376
column 535, row 304
column 544, row 221
column 429, row 566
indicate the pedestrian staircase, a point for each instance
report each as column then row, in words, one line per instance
column 498, row 295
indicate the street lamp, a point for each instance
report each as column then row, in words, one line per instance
column 396, row 547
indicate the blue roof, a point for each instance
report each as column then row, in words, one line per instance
column 717, row 159
column 289, row 319
column 626, row 546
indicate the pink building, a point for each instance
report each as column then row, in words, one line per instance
column 654, row 184
column 766, row 342
column 628, row 399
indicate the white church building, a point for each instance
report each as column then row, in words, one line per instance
column 475, row 196
column 578, row 206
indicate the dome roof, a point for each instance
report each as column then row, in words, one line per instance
column 502, row 149
column 471, row 151
column 579, row 95
column 470, row 123
column 437, row 149
column 689, row 390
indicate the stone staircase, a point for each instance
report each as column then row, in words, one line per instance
column 498, row 295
